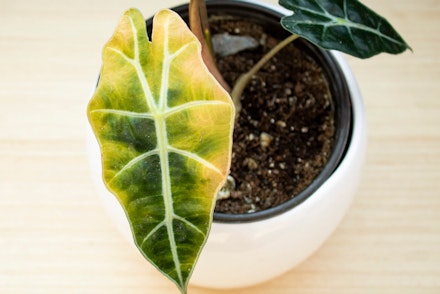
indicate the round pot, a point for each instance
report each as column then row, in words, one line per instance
column 243, row 250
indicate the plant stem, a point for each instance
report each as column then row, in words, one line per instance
column 198, row 22
column 244, row 79
column 205, row 26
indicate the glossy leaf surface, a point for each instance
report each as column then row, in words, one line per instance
column 344, row 25
column 164, row 126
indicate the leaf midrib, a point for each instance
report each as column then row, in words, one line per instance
column 162, row 141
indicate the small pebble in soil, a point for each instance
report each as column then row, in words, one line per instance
column 225, row 191
column 251, row 163
column 281, row 124
column 226, row 44
column 265, row 140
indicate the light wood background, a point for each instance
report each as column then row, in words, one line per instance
column 55, row 236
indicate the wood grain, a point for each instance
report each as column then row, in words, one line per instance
column 55, row 236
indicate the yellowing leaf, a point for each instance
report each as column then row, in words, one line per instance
column 164, row 125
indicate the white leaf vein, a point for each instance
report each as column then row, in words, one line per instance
column 195, row 157
column 133, row 162
column 124, row 113
column 197, row 103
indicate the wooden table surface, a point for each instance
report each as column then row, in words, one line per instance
column 55, row 236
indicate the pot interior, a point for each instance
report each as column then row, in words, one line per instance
column 341, row 100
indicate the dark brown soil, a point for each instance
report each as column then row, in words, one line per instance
column 285, row 131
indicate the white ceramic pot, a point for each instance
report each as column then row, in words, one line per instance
column 240, row 254
column 245, row 254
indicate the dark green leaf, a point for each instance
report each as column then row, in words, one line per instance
column 344, row 25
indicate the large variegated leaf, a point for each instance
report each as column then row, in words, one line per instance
column 164, row 125
column 344, row 25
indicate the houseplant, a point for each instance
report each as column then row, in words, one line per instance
column 154, row 163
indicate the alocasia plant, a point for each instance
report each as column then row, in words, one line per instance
column 164, row 123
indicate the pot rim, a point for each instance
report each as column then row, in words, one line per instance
column 343, row 117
